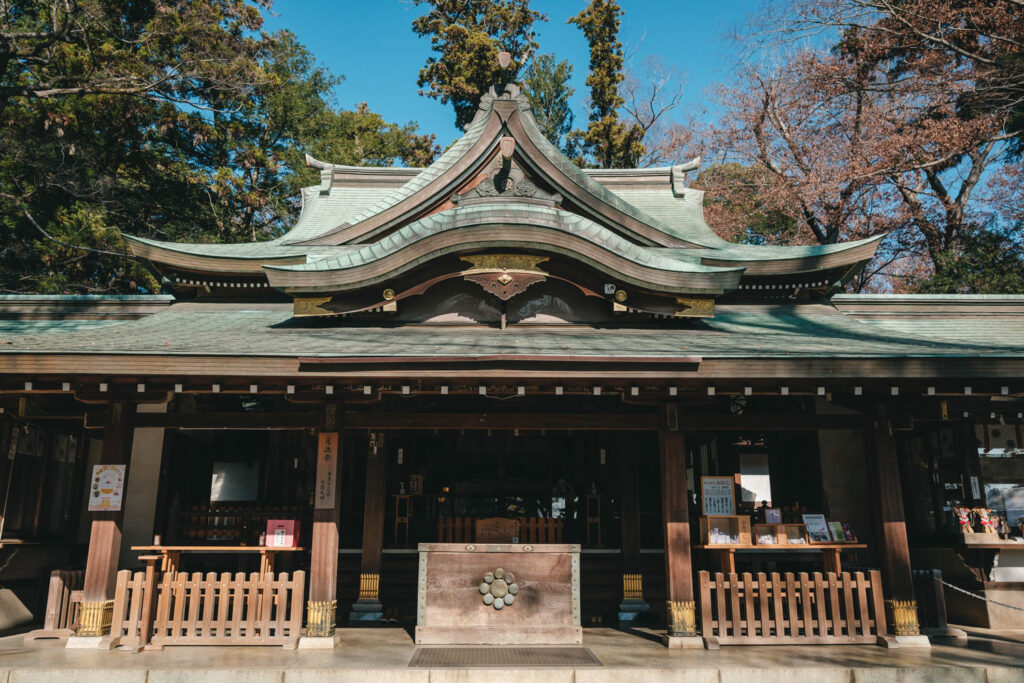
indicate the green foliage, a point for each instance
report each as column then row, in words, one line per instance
column 736, row 203
column 546, row 84
column 607, row 142
column 169, row 50
column 466, row 37
column 986, row 262
column 216, row 160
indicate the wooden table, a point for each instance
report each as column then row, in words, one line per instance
column 829, row 552
column 170, row 555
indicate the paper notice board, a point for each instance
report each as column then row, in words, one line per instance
column 718, row 496
column 106, row 488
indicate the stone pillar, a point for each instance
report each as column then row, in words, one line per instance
column 680, row 605
column 633, row 603
column 105, row 536
column 322, row 608
column 894, row 550
column 368, row 607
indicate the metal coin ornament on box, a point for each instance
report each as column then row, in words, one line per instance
column 499, row 588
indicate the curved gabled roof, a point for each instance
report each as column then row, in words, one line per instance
column 648, row 212
column 504, row 224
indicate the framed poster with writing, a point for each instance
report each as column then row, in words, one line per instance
column 718, row 496
column 107, row 488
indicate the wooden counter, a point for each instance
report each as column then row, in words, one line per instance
column 545, row 610
column 171, row 554
column 829, row 552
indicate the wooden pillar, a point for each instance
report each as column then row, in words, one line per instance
column 675, row 513
column 105, row 536
column 633, row 603
column 894, row 550
column 322, row 608
column 368, row 607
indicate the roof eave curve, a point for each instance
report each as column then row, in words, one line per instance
column 504, row 225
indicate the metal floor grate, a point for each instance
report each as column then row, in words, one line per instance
column 503, row 657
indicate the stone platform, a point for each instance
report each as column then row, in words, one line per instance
column 382, row 655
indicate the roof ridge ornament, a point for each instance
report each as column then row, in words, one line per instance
column 679, row 175
column 313, row 162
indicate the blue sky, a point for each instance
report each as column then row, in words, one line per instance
column 371, row 43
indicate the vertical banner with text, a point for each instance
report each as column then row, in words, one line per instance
column 326, row 470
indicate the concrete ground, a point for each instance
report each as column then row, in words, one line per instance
column 382, row 655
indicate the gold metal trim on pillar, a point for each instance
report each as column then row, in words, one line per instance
column 632, row 587
column 94, row 618
column 320, row 618
column 682, row 618
column 369, row 586
column 902, row 617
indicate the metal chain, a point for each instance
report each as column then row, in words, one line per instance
column 981, row 597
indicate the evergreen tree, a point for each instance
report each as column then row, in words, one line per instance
column 82, row 166
column 607, row 142
column 989, row 261
column 467, row 36
column 546, row 83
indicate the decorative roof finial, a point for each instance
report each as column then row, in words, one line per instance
column 504, row 66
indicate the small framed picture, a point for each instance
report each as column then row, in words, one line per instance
column 773, row 516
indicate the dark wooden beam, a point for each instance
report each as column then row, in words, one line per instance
column 598, row 421
column 575, row 421
column 239, row 420
column 675, row 508
column 105, row 534
column 368, row 607
column 321, row 610
column 894, row 550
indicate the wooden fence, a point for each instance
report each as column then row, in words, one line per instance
column 210, row 609
column 531, row 530
column 540, row 530
column 784, row 609
column 63, row 600
column 455, row 529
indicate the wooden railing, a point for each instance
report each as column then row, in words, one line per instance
column 770, row 609
column 531, row 530
column 210, row 609
column 63, row 601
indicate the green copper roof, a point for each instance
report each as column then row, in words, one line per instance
column 504, row 213
column 737, row 331
column 649, row 207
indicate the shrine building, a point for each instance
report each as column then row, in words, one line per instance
column 500, row 400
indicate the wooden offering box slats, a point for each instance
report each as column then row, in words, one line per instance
column 451, row 611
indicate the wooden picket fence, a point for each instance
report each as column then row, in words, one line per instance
column 455, row 529
column 531, row 530
column 63, row 600
column 540, row 530
column 787, row 609
column 210, row 609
